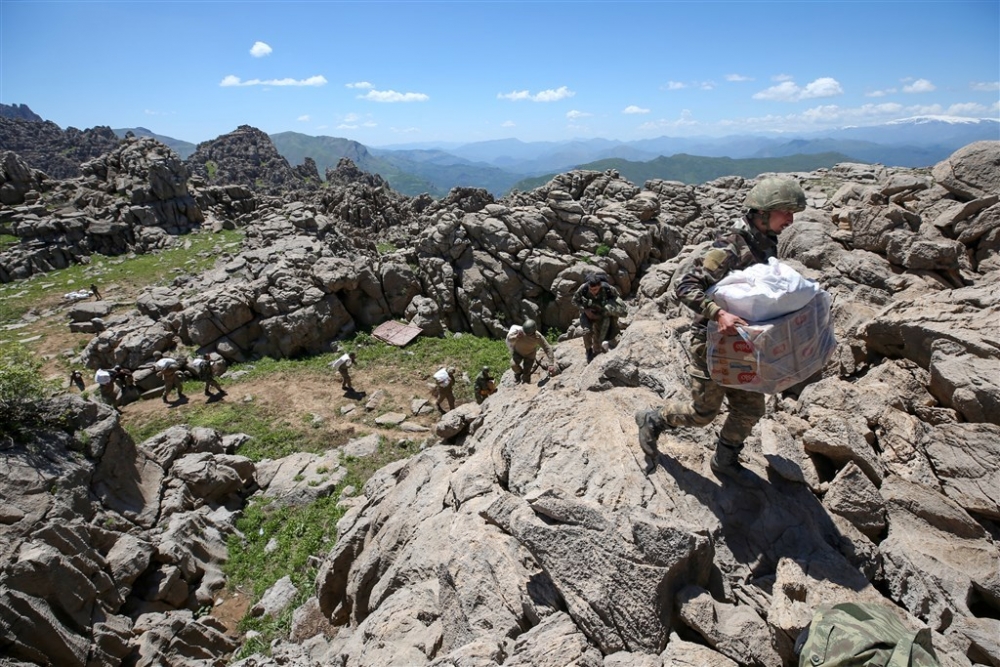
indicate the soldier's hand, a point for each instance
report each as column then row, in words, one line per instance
column 728, row 322
column 552, row 370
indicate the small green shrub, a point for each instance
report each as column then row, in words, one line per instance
column 602, row 250
column 21, row 389
column 212, row 169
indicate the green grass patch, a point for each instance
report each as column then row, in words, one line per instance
column 295, row 533
column 196, row 252
column 270, row 436
column 8, row 241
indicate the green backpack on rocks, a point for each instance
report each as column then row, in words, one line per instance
column 863, row 635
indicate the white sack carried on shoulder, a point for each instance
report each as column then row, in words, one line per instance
column 442, row 377
column 764, row 291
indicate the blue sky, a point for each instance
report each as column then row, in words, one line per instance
column 390, row 73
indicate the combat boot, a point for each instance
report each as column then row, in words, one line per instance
column 651, row 424
column 726, row 460
column 590, row 355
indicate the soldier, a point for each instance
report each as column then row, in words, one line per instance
column 342, row 364
column 105, row 380
column 485, row 385
column 76, row 380
column 599, row 304
column 202, row 367
column 93, row 289
column 444, row 387
column 523, row 342
column 770, row 207
column 168, row 369
column 123, row 378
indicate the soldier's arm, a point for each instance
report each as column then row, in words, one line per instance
column 707, row 271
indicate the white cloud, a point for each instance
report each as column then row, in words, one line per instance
column 783, row 92
column 685, row 121
column 574, row 114
column 260, row 49
column 631, row 109
column 919, row 86
column 881, row 93
column 351, row 118
column 303, row 118
column 549, row 95
column 985, row 86
column 782, row 77
column 706, row 85
column 967, row 109
column 405, row 130
column 675, row 85
column 392, row 96
column 231, row 81
column 359, row 84
column 738, row 77
column 508, row 123
column 822, row 87
column 789, row 91
column 354, row 126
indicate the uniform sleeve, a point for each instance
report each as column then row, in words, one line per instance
column 547, row 348
column 707, row 270
column 579, row 299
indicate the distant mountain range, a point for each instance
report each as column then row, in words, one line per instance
column 500, row 165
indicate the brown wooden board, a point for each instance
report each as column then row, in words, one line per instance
column 396, row 333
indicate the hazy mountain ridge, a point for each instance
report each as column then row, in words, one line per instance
column 502, row 164
column 694, row 169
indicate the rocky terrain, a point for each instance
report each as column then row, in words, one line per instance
column 527, row 533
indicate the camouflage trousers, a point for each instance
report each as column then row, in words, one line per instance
column 443, row 394
column 522, row 365
column 745, row 407
column 595, row 331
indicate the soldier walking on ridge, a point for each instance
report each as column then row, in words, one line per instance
column 343, row 364
column 769, row 208
column 485, row 386
column 523, row 342
column 599, row 304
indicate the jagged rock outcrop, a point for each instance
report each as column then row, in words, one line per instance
column 530, row 535
column 133, row 198
column 19, row 111
column 85, row 579
column 56, row 152
column 875, row 483
column 17, row 179
column 247, row 157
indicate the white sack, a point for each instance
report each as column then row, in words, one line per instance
column 764, row 291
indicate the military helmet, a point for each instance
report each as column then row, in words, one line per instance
column 529, row 327
column 451, row 370
column 776, row 194
column 486, row 370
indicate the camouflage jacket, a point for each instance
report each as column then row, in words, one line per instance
column 607, row 300
column 735, row 248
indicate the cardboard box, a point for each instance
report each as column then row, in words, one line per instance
column 771, row 356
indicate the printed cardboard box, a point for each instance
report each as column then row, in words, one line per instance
column 769, row 357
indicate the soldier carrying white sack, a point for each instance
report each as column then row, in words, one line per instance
column 769, row 209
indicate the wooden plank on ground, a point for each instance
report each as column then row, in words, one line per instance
column 396, row 333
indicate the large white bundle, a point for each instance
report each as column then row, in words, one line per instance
column 770, row 357
column 764, row 291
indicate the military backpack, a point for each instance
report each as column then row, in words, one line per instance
column 864, row 635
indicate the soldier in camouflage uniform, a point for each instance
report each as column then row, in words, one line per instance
column 770, row 207
column 599, row 304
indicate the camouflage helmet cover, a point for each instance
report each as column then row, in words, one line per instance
column 529, row 327
column 776, row 194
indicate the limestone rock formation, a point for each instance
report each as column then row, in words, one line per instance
column 530, row 534
column 248, row 157
column 56, row 152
